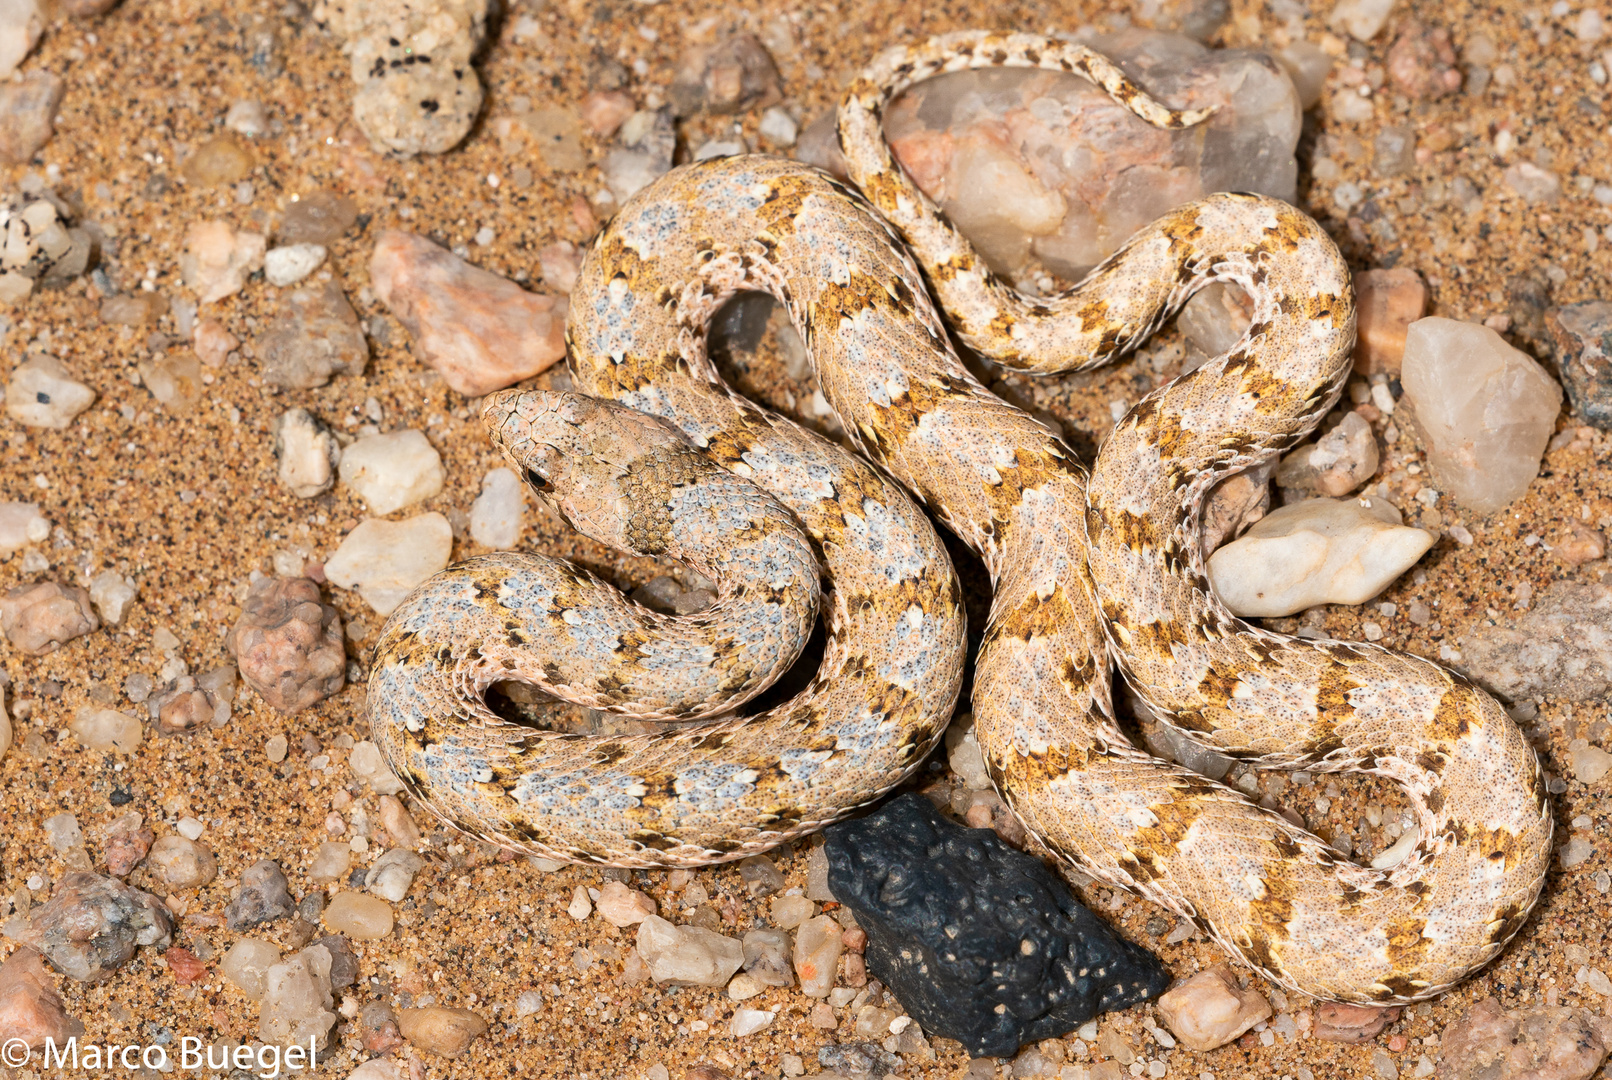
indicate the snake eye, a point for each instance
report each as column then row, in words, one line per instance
column 538, row 480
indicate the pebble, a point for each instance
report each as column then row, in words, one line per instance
column 290, row 264
column 39, row 619
column 398, row 823
column 369, row 765
column 621, row 906
column 979, row 941
column 1533, row 184
column 30, row 1008
column 1362, row 19
column 1386, row 303
column 307, row 452
column 217, row 260
column 779, row 128
column 1308, row 65
column 1337, row 1022
column 1320, row 551
column 314, row 337
column 125, row 848
column 1561, row 647
column 392, row 471
column 1210, row 1009
column 1576, row 850
column 185, row 966
column 247, row 965
column 1421, row 61
column 963, row 753
column 749, row 1021
column 1589, row 763
column 560, row 262
column 106, row 729
column 1486, row 410
column 1582, row 334
column 498, row 516
column 174, row 379
column 790, row 910
column 21, row 525
column 377, row 1069
column 481, row 331
column 687, row 955
column 133, row 309
column 182, row 864
column 288, row 643
column 331, row 862
column 1540, row 1043
column 581, row 905
column 21, row 24
column 63, row 833
column 1578, row 545
column 28, row 114
column 181, row 708
column 728, row 76
column 42, row 394
column 647, row 142
column 358, row 916
column 441, row 1031
column 760, row 875
column 818, row 944
column 767, row 957
column 39, row 245
column 858, row 1059
column 1061, row 190
column 263, row 897
column 604, row 111
column 112, row 593
column 1335, row 464
column 91, row 926
column 212, row 342
column 247, row 117
column 417, row 89
column 392, row 874
column 319, row 217
column 217, row 162
column 296, row 1006
column 377, row 1027
column 385, row 560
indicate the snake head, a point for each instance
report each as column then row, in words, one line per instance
column 582, row 456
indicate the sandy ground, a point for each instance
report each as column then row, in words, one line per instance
column 154, row 77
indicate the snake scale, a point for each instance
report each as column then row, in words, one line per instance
column 1087, row 571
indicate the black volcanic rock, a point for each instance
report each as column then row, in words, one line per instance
column 981, row 943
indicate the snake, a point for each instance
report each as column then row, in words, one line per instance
column 1090, row 571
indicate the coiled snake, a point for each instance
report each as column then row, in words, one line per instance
column 1084, row 570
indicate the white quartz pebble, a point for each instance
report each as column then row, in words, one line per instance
column 290, row 264
column 392, row 471
column 43, row 394
column 385, row 560
column 1320, row 551
column 499, row 513
column 21, row 524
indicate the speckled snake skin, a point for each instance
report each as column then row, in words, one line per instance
column 1084, row 570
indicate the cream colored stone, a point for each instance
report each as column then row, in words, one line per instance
column 1210, row 1010
column 1486, row 410
column 385, row 560
column 1320, row 551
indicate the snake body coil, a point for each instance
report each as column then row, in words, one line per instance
column 1085, row 570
